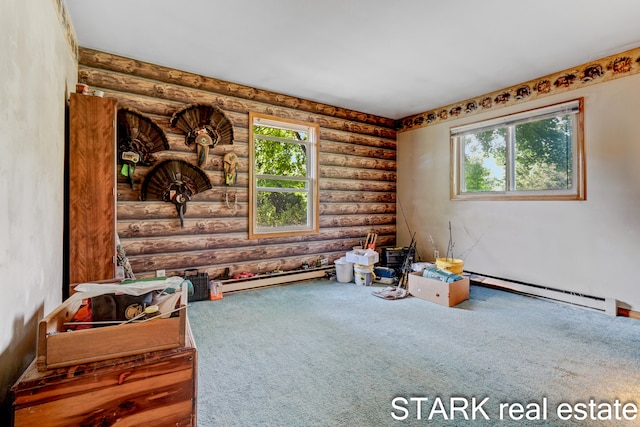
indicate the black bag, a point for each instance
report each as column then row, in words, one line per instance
column 119, row 307
column 200, row 283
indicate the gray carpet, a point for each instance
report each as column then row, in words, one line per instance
column 323, row 353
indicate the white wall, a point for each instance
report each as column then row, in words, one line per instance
column 37, row 71
column 589, row 247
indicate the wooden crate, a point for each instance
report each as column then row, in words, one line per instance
column 59, row 349
column 151, row 389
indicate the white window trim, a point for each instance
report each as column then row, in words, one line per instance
column 578, row 192
column 313, row 144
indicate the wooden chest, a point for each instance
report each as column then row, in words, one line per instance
column 151, row 389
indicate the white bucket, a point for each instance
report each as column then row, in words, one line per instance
column 344, row 270
column 363, row 274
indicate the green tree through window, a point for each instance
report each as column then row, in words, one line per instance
column 543, row 158
column 276, row 157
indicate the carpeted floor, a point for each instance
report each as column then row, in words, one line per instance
column 323, row 353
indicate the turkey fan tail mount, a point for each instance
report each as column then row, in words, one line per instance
column 174, row 181
column 139, row 134
column 194, row 119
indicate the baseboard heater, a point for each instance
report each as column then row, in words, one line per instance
column 262, row 280
column 596, row 303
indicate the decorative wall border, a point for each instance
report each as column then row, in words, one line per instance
column 67, row 27
column 612, row 67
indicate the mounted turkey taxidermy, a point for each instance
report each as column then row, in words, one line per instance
column 174, row 181
column 230, row 161
column 138, row 138
column 205, row 125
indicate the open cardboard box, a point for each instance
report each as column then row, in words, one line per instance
column 59, row 349
column 447, row 294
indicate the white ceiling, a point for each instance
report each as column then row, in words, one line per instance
column 392, row 58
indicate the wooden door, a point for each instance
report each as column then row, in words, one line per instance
column 92, row 183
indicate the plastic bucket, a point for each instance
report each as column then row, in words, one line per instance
column 453, row 265
column 363, row 274
column 344, row 270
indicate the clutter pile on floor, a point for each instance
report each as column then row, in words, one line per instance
column 391, row 292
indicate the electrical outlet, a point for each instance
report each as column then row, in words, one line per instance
column 436, row 254
column 160, row 273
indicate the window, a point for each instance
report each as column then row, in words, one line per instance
column 534, row 155
column 283, row 173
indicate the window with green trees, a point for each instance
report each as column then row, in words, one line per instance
column 283, row 173
column 537, row 154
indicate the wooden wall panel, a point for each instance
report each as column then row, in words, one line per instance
column 96, row 59
column 357, row 176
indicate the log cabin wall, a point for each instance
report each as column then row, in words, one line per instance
column 357, row 176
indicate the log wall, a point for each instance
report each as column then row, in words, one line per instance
column 357, row 176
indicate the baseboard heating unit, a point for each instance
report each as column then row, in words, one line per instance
column 597, row 303
column 263, row 280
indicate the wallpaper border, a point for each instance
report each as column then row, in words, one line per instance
column 67, row 27
column 609, row 68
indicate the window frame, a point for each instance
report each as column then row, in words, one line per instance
column 312, row 177
column 578, row 192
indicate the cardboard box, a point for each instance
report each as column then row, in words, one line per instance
column 363, row 258
column 59, row 349
column 447, row 294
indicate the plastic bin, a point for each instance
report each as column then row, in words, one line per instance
column 344, row 270
column 200, row 283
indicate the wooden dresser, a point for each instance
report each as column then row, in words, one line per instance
column 151, row 389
